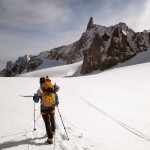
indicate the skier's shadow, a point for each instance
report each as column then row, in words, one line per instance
column 15, row 142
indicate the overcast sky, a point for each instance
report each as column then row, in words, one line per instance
column 33, row 26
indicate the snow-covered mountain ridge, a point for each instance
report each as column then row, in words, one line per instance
column 99, row 48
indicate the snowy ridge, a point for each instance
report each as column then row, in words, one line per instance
column 99, row 48
column 70, row 70
column 74, row 69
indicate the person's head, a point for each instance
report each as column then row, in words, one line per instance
column 42, row 80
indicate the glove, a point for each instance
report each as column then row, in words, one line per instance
column 36, row 98
column 56, row 104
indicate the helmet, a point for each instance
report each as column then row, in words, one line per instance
column 42, row 80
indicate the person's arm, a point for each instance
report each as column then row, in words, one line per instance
column 56, row 100
column 37, row 96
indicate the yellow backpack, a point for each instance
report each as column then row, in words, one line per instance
column 48, row 96
column 48, row 100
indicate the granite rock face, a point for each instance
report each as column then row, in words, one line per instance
column 113, row 45
column 99, row 48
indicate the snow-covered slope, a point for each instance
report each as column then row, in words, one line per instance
column 106, row 111
column 75, row 69
column 60, row 71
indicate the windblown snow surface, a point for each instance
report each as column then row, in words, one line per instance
column 103, row 111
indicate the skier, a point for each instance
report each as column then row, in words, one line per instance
column 49, row 100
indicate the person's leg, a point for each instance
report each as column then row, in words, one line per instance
column 46, row 119
column 52, row 120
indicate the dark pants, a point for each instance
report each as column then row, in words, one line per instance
column 49, row 120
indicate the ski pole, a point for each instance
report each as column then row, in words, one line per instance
column 63, row 124
column 34, row 117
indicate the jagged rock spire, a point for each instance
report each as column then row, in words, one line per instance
column 9, row 65
column 90, row 24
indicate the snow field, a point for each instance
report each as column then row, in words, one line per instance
column 106, row 111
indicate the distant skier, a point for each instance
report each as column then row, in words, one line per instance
column 49, row 99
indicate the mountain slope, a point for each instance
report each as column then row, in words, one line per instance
column 73, row 70
column 99, row 48
column 59, row 71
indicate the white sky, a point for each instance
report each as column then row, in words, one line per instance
column 29, row 27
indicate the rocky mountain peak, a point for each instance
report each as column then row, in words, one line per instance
column 90, row 24
column 99, row 48
column 125, row 27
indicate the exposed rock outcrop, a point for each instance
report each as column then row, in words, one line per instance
column 99, row 47
column 90, row 24
column 115, row 44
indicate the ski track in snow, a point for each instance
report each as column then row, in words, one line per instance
column 130, row 129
